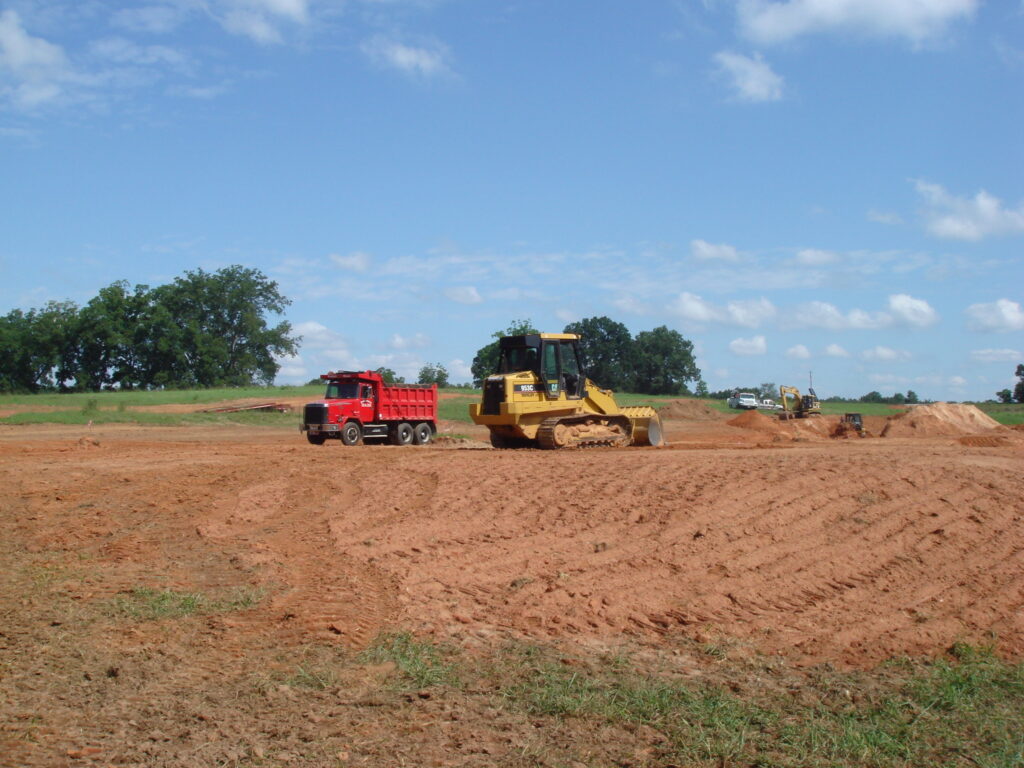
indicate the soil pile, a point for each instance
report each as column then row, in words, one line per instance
column 940, row 420
column 693, row 410
column 755, row 420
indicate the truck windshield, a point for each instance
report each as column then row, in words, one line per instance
column 515, row 359
column 342, row 390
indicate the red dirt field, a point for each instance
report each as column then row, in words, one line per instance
column 800, row 546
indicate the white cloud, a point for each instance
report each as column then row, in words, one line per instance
column 766, row 21
column 692, row 307
column 701, row 249
column 812, row 257
column 748, row 313
column 318, row 335
column 752, row 78
column 463, row 294
column 997, row 355
column 885, row 353
column 258, row 19
column 459, row 370
column 631, row 304
column 1000, row 315
column 156, row 19
column 834, row 350
column 122, row 51
column 906, row 310
column 888, row 379
column 962, row 218
column 884, row 217
column 752, row 346
column 32, row 70
column 416, row 341
column 415, row 61
column 820, row 314
column 799, row 352
column 357, row 261
column 292, row 369
column 902, row 310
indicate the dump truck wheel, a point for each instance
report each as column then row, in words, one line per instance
column 351, row 433
column 402, row 434
column 422, row 434
column 315, row 439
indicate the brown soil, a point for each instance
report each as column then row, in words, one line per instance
column 764, row 533
column 940, row 420
column 693, row 410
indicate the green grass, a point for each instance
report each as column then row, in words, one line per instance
column 421, row 664
column 948, row 712
column 1005, row 413
column 147, row 604
column 82, row 417
column 117, row 399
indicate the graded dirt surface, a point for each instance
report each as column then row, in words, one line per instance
column 769, row 535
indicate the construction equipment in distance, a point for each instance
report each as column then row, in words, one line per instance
column 797, row 406
column 540, row 397
column 852, row 422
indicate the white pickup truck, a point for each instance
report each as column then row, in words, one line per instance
column 769, row 405
column 744, row 400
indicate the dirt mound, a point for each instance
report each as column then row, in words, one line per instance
column 940, row 420
column 755, row 420
column 694, row 410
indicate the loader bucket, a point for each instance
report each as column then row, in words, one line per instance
column 646, row 426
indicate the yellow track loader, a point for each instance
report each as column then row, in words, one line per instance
column 539, row 396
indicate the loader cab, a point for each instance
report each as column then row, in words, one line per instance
column 554, row 358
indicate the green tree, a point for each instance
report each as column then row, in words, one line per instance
column 1005, row 396
column 1018, row 390
column 607, row 349
column 485, row 362
column 433, row 374
column 112, row 331
column 912, row 397
column 39, row 348
column 702, row 388
column 216, row 329
column 17, row 369
column 767, row 390
column 663, row 362
column 389, row 376
column 872, row 397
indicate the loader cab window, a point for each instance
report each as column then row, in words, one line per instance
column 515, row 359
column 572, row 376
column 550, row 368
column 342, row 390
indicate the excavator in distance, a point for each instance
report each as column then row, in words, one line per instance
column 540, row 397
column 797, row 406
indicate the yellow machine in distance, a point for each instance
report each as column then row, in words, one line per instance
column 797, row 406
column 539, row 396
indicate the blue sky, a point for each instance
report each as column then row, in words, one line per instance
column 832, row 186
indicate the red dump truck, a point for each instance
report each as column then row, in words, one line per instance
column 358, row 405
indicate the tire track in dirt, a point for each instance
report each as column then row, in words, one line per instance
column 282, row 527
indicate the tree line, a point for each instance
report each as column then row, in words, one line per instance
column 205, row 329
column 655, row 362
